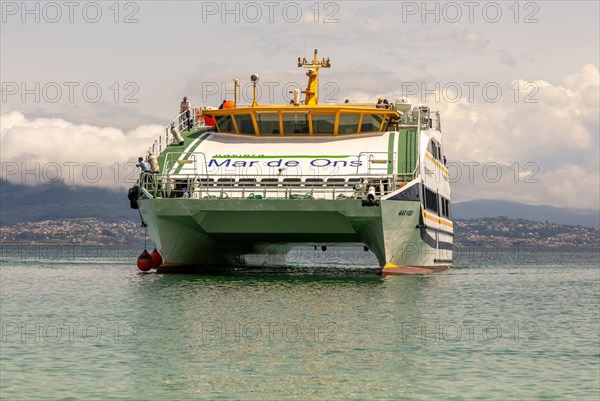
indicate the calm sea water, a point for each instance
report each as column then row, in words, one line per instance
column 83, row 324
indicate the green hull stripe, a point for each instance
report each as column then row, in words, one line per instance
column 192, row 149
column 280, row 156
column 391, row 152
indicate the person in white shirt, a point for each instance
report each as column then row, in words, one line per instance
column 144, row 165
column 186, row 108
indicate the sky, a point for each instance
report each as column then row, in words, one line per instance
column 88, row 86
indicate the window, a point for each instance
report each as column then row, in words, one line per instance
column 371, row 122
column 435, row 149
column 430, row 200
column 323, row 123
column 224, row 123
column 268, row 123
column 348, row 123
column 386, row 122
column 444, row 207
column 244, row 123
column 295, row 123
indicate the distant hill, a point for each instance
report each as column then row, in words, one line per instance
column 471, row 236
column 476, row 222
column 507, row 233
column 495, row 208
column 25, row 203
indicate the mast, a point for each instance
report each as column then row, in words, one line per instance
column 312, row 89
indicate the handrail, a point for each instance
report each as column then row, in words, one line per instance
column 178, row 122
column 173, row 157
column 241, row 186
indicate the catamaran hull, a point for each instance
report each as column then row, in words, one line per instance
column 200, row 234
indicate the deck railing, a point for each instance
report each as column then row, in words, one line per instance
column 268, row 187
column 180, row 123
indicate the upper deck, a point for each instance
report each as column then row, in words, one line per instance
column 322, row 149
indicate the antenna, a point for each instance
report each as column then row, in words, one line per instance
column 254, row 79
column 312, row 89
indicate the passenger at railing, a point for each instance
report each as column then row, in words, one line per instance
column 145, row 167
column 347, row 101
column 386, row 104
column 379, row 104
column 185, row 107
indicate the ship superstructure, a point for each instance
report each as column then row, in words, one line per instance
column 248, row 183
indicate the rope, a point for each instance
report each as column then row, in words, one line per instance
column 297, row 196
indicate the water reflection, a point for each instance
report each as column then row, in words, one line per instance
column 296, row 330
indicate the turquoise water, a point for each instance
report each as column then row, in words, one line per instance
column 82, row 324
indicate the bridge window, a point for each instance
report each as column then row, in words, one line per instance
column 295, row 123
column 224, row 123
column 244, row 123
column 268, row 123
column 323, row 123
column 300, row 122
column 371, row 122
column 348, row 123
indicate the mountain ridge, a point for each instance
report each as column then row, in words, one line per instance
column 21, row 203
column 482, row 208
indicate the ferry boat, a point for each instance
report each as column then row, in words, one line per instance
column 247, row 183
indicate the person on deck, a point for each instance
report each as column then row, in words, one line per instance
column 146, row 170
column 144, row 165
column 186, row 108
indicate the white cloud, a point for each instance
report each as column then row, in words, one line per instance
column 47, row 149
column 553, row 141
